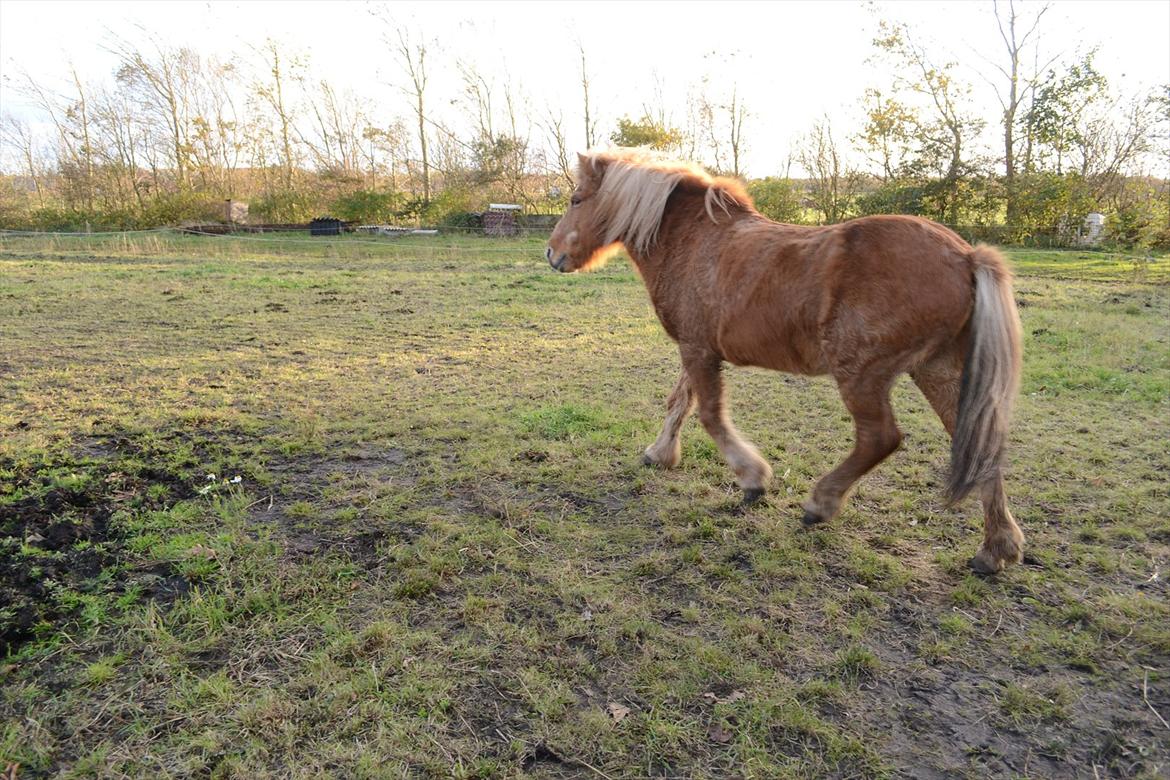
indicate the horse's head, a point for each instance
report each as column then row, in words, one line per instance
column 579, row 239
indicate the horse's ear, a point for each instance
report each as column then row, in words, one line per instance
column 590, row 166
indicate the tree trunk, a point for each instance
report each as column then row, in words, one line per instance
column 422, row 142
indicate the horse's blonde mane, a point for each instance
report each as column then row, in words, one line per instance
column 636, row 184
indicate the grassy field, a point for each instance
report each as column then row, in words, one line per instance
column 346, row 508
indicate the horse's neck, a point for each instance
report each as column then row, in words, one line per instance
column 685, row 223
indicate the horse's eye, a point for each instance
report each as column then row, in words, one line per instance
column 575, row 200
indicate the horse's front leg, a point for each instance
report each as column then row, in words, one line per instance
column 667, row 449
column 752, row 472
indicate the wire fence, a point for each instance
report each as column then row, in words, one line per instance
column 1056, row 237
column 388, row 242
column 472, row 240
column 184, row 240
column 80, row 233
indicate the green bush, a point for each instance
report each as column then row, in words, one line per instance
column 447, row 203
column 1047, row 200
column 777, row 199
column 980, row 200
column 284, row 206
column 176, row 208
column 1142, row 215
column 469, row 220
column 371, row 206
column 411, row 209
column 69, row 220
column 51, row 218
column 894, row 197
column 1160, row 239
column 1132, row 225
column 122, row 219
column 646, row 132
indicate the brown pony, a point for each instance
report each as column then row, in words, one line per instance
column 863, row 301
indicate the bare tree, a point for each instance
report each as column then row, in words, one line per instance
column 694, row 127
column 413, row 59
column 337, row 139
column 721, row 114
column 502, row 144
column 162, row 81
column 833, row 183
column 944, row 141
column 122, row 138
column 1015, row 39
column 385, row 149
column 216, row 144
column 722, row 125
column 81, row 113
column 273, row 91
column 655, row 110
column 554, row 127
column 707, row 128
column 590, row 120
column 1113, row 139
column 477, row 95
column 1160, row 103
column 736, row 114
column 70, row 118
column 516, row 150
column 17, row 134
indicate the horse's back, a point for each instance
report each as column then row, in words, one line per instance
column 897, row 289
column 814, row 300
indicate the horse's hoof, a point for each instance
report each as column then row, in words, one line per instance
column 647, row 460
column 811, row 518
column 752, row 496
column 984, row 565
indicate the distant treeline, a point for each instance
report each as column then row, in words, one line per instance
column 171, row 135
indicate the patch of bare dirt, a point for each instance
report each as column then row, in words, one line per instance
column 57, row 538
column 947, row 720
column 306, row 479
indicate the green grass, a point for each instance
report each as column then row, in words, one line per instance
column 426, row 547
column 1133, row 265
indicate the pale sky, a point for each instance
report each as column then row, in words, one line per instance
column 794, row 61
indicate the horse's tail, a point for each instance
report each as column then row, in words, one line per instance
column 991, row 377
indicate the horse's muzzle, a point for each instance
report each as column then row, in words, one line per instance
column 558, row 262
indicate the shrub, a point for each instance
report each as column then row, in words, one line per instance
column 1141, row 217
column 466, row 220
column 1045, row 200
column 50, row 218
column 776, row 198
column 894, row 197
column 178, row 207
column 450, row 201
column 368, row 206
column 283, row 206
column 1132, row 225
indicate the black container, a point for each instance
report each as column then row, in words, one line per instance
column 325, row 226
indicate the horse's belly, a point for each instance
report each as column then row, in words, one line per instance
column 786, row 351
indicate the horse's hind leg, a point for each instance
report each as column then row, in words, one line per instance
column 666, row 449
column 876, row 436
column 752, row 472
column 1003, row 541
